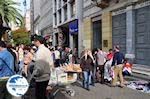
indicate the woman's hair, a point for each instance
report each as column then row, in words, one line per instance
column 3, row 44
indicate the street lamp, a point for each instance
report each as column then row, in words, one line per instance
column 101, row 3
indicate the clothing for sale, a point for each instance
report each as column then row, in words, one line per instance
column 142, row 86
column 107, row 70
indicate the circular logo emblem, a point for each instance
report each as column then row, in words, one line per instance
column 17, row 85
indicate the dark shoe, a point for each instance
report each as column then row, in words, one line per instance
column 105, row 80
column 87, row 89
column 92, row 84
column 102, row 82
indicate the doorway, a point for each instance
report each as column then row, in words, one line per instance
column 97, row 34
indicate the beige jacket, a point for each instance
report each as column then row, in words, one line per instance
column 43, row 64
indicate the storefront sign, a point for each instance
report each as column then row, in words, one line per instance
column 17, row 85
column 73, row 27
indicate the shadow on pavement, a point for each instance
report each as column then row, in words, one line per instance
column 78, row 84
column 60, row 95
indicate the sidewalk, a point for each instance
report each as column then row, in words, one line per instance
column 106, row 92
column 141, row 72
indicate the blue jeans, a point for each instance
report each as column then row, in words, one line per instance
column 87, row 79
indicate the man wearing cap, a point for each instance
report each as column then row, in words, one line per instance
column 43, row 64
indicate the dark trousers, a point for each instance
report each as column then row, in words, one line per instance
column 40, row 90
column 3, row 91
column 93, row 80
column 101, row 68
column 57, row 62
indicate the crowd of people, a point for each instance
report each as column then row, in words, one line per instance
column 37, row 60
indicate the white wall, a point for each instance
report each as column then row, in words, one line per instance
column 46, row 17
column 43, row 16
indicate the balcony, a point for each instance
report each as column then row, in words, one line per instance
column 101, row 3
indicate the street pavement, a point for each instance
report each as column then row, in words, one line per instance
column 100, row 91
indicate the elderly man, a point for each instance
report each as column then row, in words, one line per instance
column 43, row 64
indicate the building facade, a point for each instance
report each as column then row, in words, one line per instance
column 67, row 23
column 84, row 24
column 42, row 18
column 27, row 20
column 121, row 22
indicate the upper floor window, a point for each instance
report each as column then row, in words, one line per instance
column 73, row 8
column 65, row 13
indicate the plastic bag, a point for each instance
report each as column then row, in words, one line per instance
column 53, row 77
column 62, row 78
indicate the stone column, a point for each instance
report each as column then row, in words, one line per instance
column 87, row 31
column 71, row 41
column 130, row 33
column 62, row 15
column 106, row 31
column 57, row 16
column 79, row 13
column 69, row 11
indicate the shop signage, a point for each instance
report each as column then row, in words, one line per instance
column 73, row 27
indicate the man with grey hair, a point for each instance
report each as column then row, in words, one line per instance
column 43, row 64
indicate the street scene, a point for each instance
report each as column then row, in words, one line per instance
column 74, row 49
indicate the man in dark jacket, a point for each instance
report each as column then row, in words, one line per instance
column 118, row 65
